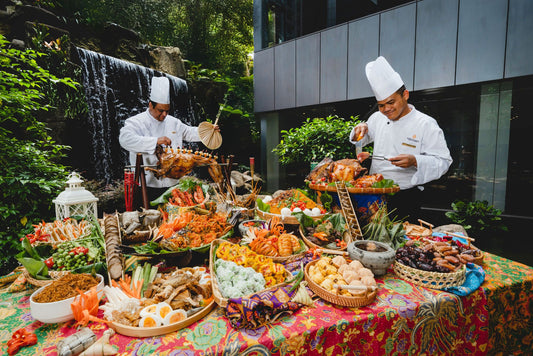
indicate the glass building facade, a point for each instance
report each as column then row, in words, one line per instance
column 467, row 63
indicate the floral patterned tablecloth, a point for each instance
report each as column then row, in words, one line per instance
column 404, row 319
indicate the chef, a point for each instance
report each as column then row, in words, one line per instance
column 412, row 143
column 143, row 132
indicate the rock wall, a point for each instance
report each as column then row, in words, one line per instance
column 17, row 23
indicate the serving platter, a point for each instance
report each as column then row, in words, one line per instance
column 352, row 190
column 134, row 331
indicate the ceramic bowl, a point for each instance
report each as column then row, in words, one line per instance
column 57, row 312
column 377, row 261
column 244, row 229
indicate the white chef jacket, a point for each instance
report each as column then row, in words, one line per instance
column 415, row 133
column 140, row 134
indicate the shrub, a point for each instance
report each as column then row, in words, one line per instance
column 30, row 175
column 476, row 216
column 316, row 139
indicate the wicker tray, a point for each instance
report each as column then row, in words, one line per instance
column 347, row 238
column 342, row 300
column 290, row 258
column 219, row 299
column 43, row 282
column 324, row 187
column 434, row 280
column 291, row 220
column 160, row 330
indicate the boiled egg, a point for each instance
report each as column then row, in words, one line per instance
column 149, row 310
column 315, row 211
column 267, row 199
column 174, row 316
column 150, row 321
column 163, row 309
column 307, row 212
column 296, row 210
column 285, row 212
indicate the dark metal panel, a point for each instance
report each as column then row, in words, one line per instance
column 333, row 64
column 481, row 40
column 284, row 75
column 436, row 38
column 363, row 42
column 397, row 40
column 518, row 60
column 264, row 80
column 308, row 70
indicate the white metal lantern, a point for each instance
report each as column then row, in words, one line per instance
column 75, row 200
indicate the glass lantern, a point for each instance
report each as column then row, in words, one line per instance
column 75, row 200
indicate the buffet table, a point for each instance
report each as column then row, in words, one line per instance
column 404, row 319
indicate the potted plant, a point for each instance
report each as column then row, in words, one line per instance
column 476, row 217
column 316, row 139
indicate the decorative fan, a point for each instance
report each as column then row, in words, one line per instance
column 209, row 136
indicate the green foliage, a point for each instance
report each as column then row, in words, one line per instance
column 30, row 176
column 238, row 100
column 316, row 139
column 476, row 216
column 218, row 34
column 70, row 101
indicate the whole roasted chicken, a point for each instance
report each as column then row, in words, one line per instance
column 176, row 163
column 346, row 170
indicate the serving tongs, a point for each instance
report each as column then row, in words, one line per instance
column 379, row 158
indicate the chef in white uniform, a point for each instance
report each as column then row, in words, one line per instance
column 412, row 142
column 143, row 132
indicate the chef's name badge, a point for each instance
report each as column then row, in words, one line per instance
column 408, row 145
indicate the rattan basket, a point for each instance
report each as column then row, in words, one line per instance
column 44, row 282
column 352, row 190
column 291, row 220
column 217, row 295
column 345, row 301
column 286, row 259
column 434, row 280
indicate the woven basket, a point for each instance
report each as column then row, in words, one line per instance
column 291, row 220
column 327, row 188
column 347, row 238
column 217, row 295
column 345, row 301
column 44, row 282
column 434, row 280
column 479, row 259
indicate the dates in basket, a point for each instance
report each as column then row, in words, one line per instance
column 420, row 258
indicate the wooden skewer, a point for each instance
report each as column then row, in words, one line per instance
column 459, row 236
column 425, row 222
column 350, row 287
column 333, row 252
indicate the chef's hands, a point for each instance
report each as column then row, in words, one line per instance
column 359, row 132
column 403, row 161
column 362, row 156
column 163, row 140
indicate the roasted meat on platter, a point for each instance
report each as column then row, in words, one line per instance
column 176, row 163
column 327, row 171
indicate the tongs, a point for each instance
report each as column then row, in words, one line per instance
column 380, row 158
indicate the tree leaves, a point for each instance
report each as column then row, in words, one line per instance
column 316, row 139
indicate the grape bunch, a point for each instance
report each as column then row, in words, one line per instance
column 70, row 255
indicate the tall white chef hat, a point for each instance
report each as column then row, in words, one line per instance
column 383, row 80
column 160, row 92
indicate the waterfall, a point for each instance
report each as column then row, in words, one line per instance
column 116, row 90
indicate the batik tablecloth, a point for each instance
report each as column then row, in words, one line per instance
column 404, row 319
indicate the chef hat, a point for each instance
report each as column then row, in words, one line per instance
column 160, row 90
column 383, row 80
